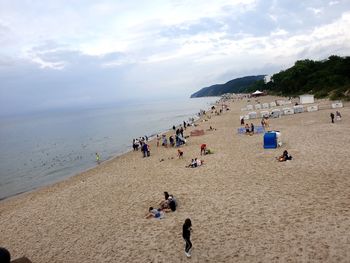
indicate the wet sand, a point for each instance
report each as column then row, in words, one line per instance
column 244, row 205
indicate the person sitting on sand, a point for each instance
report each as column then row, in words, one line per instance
column 193, row 164
column 242, row 121
column 284, row 157
column 247, row 129
column 164, row 203
column 154, row 213
column 251, row 129
column 180, row 153
column 171, row 205
column 203, row 148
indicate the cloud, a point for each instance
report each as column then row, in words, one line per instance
column 64, row 53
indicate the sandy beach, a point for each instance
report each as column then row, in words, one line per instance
column 244, row 205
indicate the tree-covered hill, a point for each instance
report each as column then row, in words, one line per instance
column 326, row 78
column 238, row 85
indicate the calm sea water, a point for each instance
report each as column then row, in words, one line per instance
column 45, row 148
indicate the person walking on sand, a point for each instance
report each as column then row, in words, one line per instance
column 186, row 234
column 97, row 158
column 332, row 117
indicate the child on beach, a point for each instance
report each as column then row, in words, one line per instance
column 186, row 234
column 203, row 148
column 154, row 213
column 180, row 153
column 97, row 158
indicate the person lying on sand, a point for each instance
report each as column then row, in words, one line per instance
column 195, row 163
column 284, row 157
column 154, row 213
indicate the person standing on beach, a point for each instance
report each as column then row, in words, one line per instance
column 158, row 139
column 186, row 234
column 332, row 117
column 97, row 158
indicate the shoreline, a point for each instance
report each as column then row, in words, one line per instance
column 109, row 158
column 244, row 205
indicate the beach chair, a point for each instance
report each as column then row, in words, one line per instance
column 288, row 111
column 337, row 105
column 272, row 104
column 249, row 107
column 258, row 106
column 312, row 108
column 298, row 109
column 275, row 113
column 252, row 115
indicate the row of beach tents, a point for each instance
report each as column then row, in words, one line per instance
column 276, row 113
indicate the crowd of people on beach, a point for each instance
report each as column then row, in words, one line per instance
column 142, row 144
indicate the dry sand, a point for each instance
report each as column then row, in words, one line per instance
column 244, row 205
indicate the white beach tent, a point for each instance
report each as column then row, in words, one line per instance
column 306, row 98
column 257, row 93
column 273, row 104
column 288, row 111
column 276, row 113
column 337, row 105
column 312, row 108
column 298, row 109
column 252, row 115
column 257, row 106
column 265, row 114
column 265, row 105
column 249, row 107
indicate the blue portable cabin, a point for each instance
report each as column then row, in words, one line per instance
column 270, row 140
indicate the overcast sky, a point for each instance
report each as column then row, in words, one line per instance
column 63, row 53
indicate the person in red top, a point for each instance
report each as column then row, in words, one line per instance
column 203, row 148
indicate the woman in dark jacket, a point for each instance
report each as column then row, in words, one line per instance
column 186, row 234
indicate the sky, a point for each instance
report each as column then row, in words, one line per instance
column 61, row 53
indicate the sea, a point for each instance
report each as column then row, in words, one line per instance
column 43, row 148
